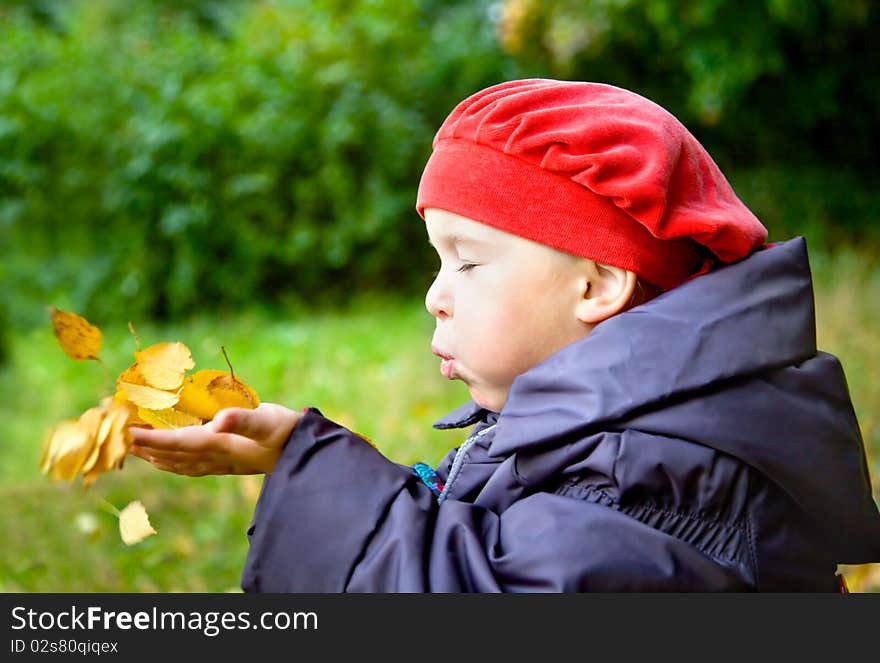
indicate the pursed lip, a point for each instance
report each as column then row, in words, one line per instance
column 437, row 351
column 447, row 363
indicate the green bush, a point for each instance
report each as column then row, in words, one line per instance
column 161, row 158
column 759, row 80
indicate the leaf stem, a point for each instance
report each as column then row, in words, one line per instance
column 137, row 341
column 109, row 508
column 228, row 363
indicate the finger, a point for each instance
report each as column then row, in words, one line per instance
column 138, row 451
column 176, row 468
column 181, row 457
column 161, row 465
column 192, row 438
column 196, row 469
column 262, row 423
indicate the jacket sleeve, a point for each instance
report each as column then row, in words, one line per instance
column 336, row 516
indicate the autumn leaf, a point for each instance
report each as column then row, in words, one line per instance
column 66, row 450
column 132, row 375
column 94, row 443
column 149, row 397
column 114, row 440
column 133, row 418
column 195, row 397
column 229, row 391
column 163, row 365
column 100, row 438
column 77, row 336
column 134, row 523
column 71, row 444
column 169, row 418
column 208, row 391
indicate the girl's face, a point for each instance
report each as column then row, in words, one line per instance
column 502, row 304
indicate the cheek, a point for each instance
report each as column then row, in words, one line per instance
column 528, row 323
column 501, row 333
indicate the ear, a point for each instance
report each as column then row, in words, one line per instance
column 607, row 291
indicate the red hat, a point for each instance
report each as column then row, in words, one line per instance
column 592, row 170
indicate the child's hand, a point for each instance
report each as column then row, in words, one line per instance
column 236, row 441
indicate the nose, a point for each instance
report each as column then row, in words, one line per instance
column 438, row 300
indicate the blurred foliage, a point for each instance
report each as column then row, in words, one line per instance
column 759, row 80
column 165, row 156
column 158, row 156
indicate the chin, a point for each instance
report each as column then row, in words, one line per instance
column 493, row 404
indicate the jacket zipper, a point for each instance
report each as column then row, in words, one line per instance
column 458, row 462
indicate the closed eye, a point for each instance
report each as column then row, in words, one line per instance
column 466, row 267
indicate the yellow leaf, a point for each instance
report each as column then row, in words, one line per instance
column 102, row 435
column 208, row 391
column 132, row 375
column 113, row 440
column 118, row 440
column 133, row 419
column 229, row 391
column 195, row 397
column 91, row 421
column 45, row 460
column 134, row 523
column 163, row 365
column 68, row 448
column 170, row 418
column 148, row 397
column 77, row 336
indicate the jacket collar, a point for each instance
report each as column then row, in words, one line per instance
column 466, row 415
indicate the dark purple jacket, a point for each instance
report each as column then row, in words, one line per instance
column 698, row 442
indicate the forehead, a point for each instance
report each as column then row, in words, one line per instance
column 445, row 228
column 450, row 232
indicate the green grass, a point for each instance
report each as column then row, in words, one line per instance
column 368, row 367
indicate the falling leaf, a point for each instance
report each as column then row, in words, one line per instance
column 91, row 421
column 134, row 523
column 68, row 448
column 115, row 441
column 163, row 365
column 149, row 397
column 100, row 439
column 45, row 460
column 77, row 336
column 73, row 445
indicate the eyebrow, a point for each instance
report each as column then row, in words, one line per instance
column 459, row 240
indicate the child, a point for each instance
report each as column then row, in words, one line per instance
column 649, row 409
